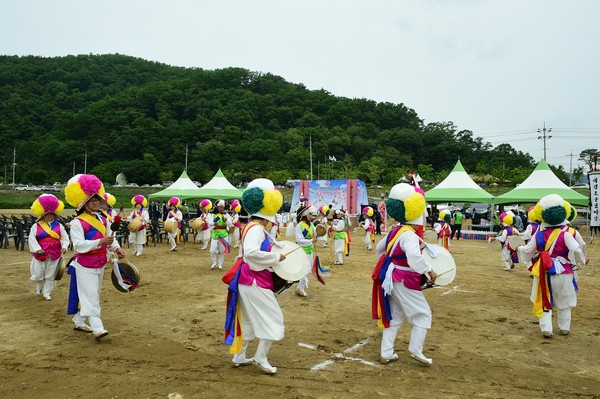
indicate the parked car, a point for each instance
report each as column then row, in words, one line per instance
column 580, row 185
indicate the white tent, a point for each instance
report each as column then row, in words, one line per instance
column 458, row 187
column 542, row 181
column 184, row 188
column 219, row 188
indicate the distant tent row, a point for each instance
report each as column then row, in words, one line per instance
column 459, row 187
column 456, row 187
column 184, row 188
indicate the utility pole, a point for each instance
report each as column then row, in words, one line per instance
column 14, row 164
column 310, row 150
column 544, row 137
column 571, row 168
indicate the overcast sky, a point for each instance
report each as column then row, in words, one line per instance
column 500, row 68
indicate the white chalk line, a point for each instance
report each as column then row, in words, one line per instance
column 336, row 355
column 455, row 289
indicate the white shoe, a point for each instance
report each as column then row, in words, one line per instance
column 426, row 361
column 301, row 293
column 241, row 362
column 220, row 267
column 47, row 297
column 83, row 328
column 547, row 334
column 385, row 360
column 266, row 367
column 213, row 265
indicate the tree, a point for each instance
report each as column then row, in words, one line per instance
column 590, row 157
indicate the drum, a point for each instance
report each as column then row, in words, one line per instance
column 442, row 262
column 171, row 225
column 361, row 230
column 495, row 245
column 60, row 269
column 129, row 274
column 515, row 241
column 135, row 225
column 198, row 224
column 430, row 236
column 295, row 265
column 321, row 230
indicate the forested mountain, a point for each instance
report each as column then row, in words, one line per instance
column 135, row 116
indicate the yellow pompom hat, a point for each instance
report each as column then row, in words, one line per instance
column 81, row 188
column 261, row 199
column 406, row 204
column 139, row 199
column 110, row 199
column 47, row 203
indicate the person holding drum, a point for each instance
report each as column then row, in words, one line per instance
column 509, row 254
column 48, row 242
column 306, row 237
column 555, row 253
column 138, row 219
column 323, row 210
column 259, row 315
column 341, row 244
column 443, row 230
column 220, row 222
column 204, row 234
column 92, row 238
column 174, row 218
column 369, row 226
column 402, row 264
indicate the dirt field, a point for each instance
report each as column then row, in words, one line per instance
column 166, row 338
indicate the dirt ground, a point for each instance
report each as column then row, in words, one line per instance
column 166, row 338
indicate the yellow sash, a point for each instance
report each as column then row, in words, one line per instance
column 398, row 233
column 46, row 227
column 538, row 308
column 98, row 225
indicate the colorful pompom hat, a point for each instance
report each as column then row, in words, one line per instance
column 206, row 204
column 553, row 210
column 406, row 204
column 324, row 209
column 139, row 199
column 47, row 203
column 260, row 199
column 175, row 201
column 507, row 218
column 81, row 188
column 445, row 216
column 368, row 211
column 110, row 199
column 534, row 215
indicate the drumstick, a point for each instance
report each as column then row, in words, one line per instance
column 292, row 251
column 441, row 274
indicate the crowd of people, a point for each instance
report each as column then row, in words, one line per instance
column 552, row 250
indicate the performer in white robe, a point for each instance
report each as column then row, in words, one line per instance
column 48, row 242
column 261, row 316
column 138, row 238
column 369, row 226
column 92, row 237
column 402, row 283
column 174, row 213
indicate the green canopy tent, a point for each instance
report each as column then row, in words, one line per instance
column 542, row 181
column 184, row 188
column 219, row 188
column 458, row 187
